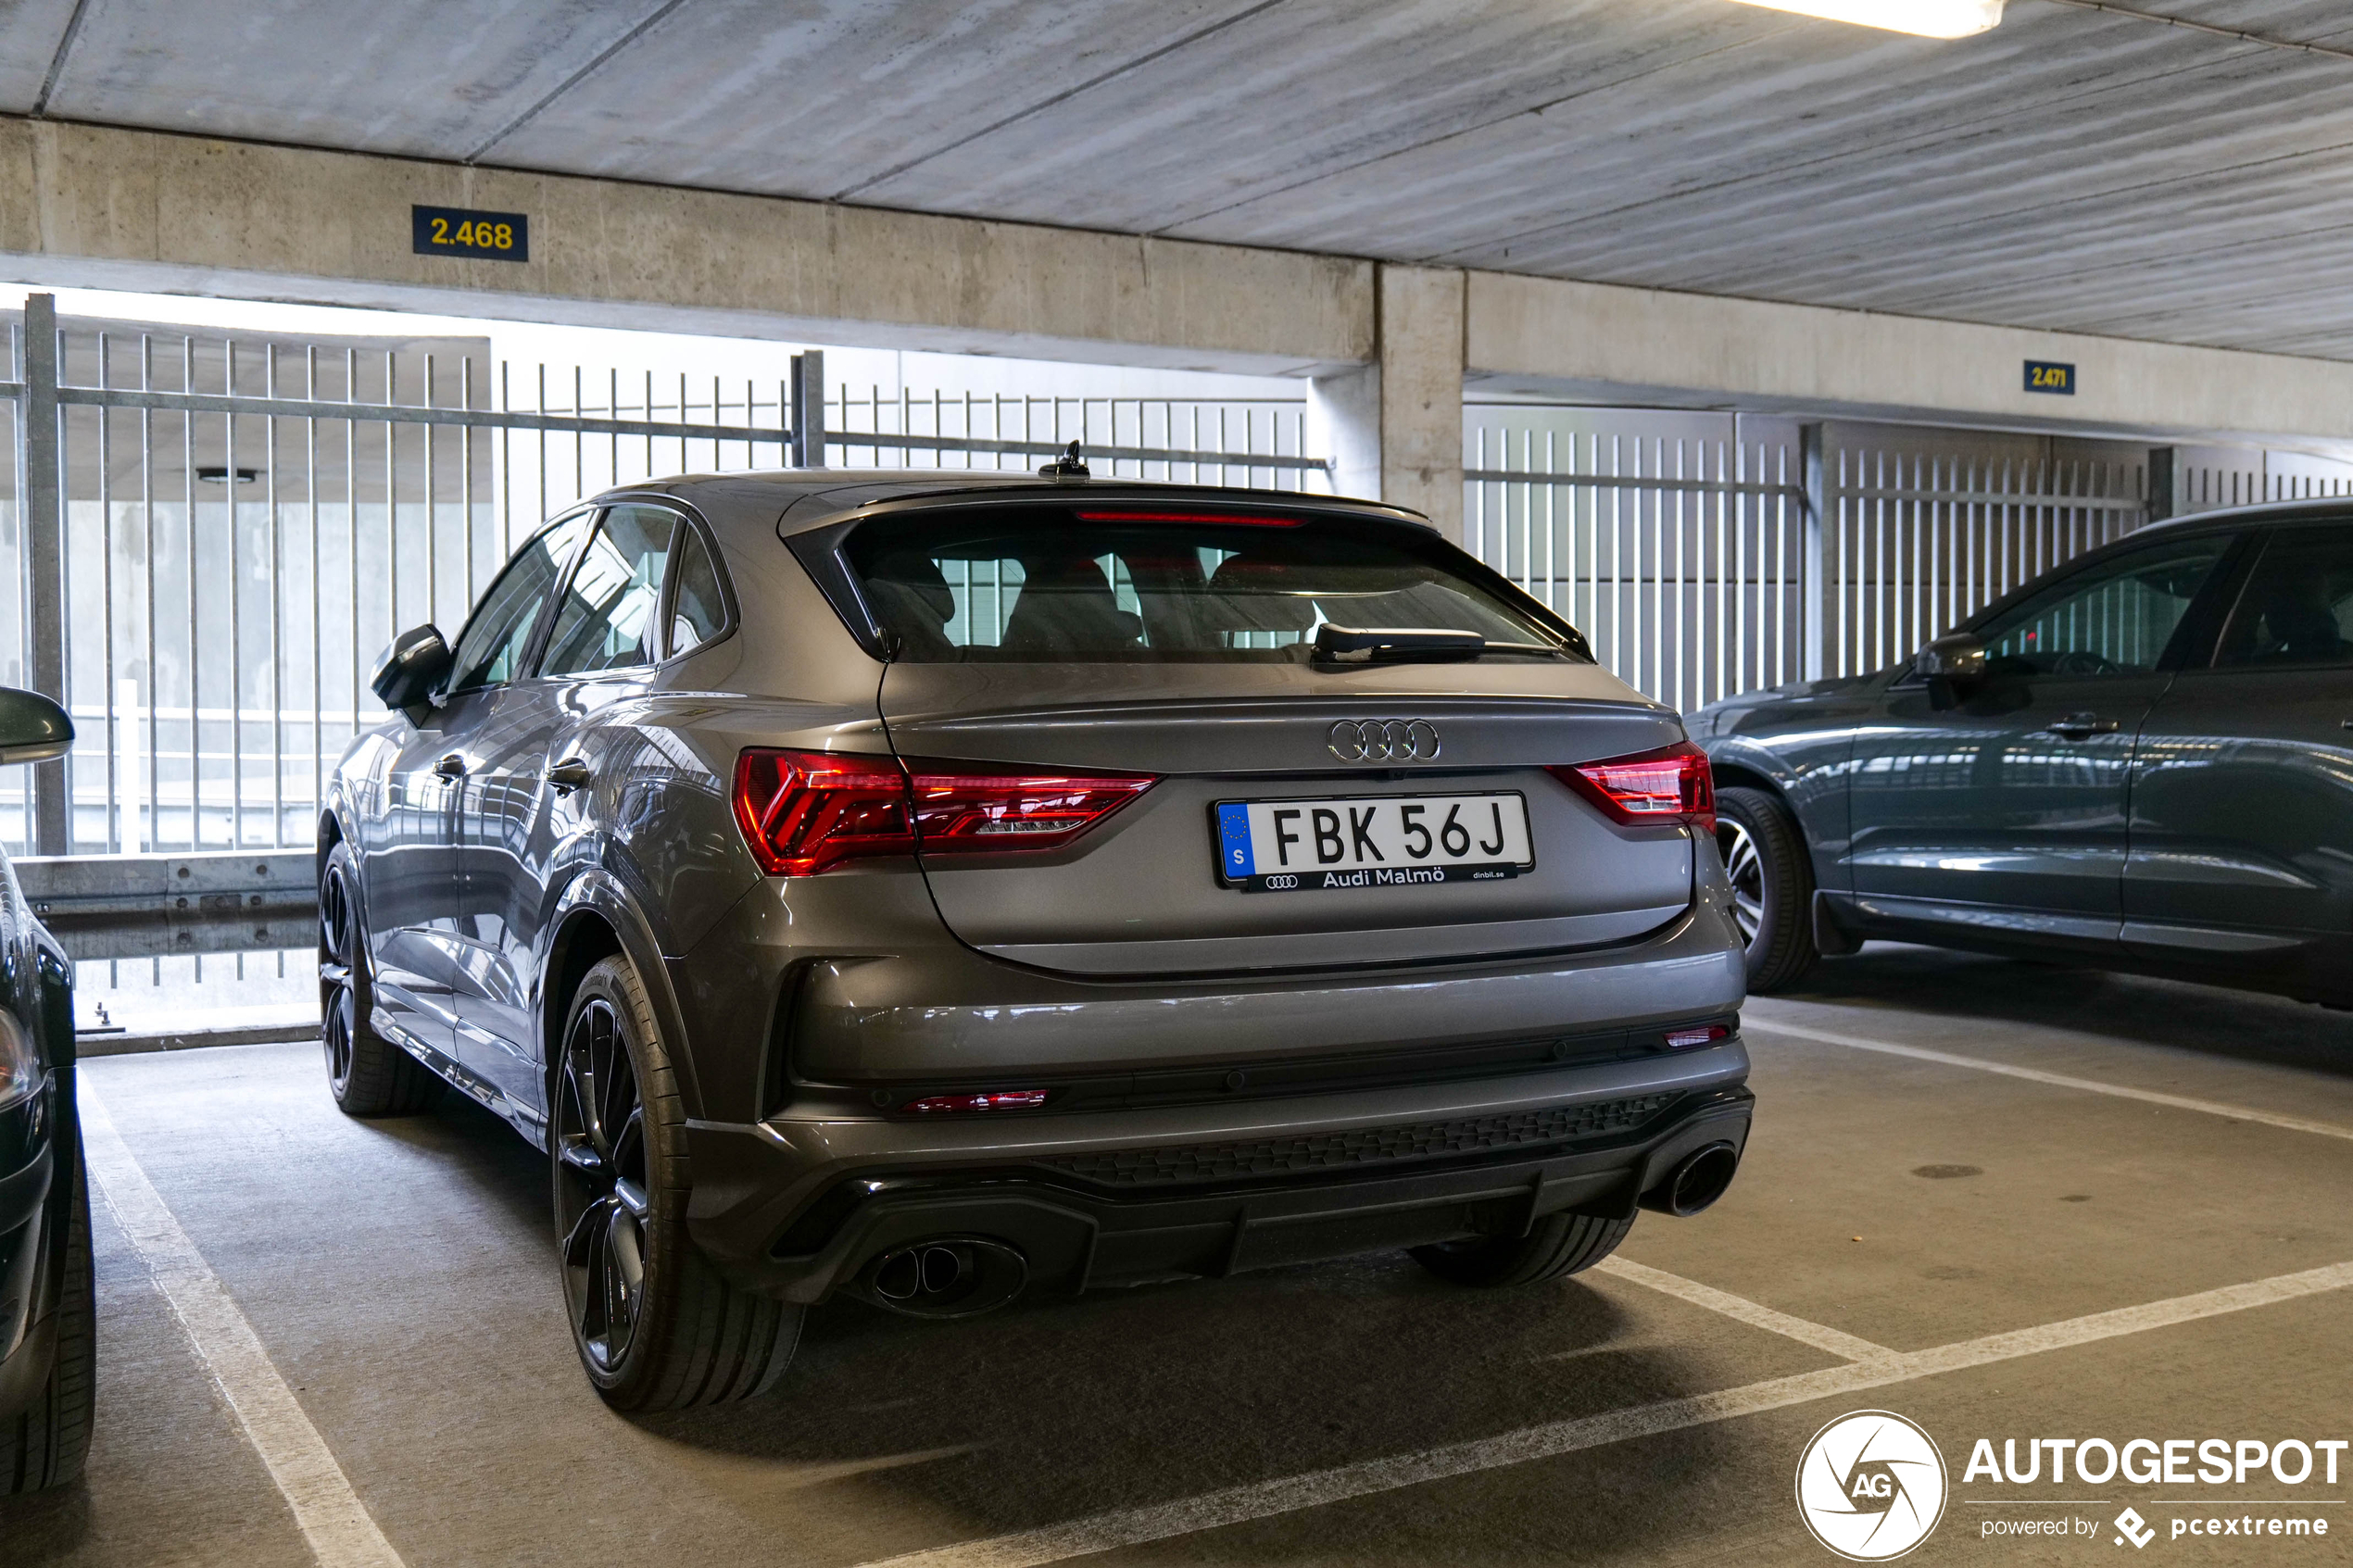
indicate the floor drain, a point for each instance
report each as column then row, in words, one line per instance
column 1946, row 1173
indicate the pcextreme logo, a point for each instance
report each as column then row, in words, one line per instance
column 1870, row 1485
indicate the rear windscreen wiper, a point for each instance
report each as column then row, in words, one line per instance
column 1394, row 645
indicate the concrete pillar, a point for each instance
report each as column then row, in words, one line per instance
column 1394, row 427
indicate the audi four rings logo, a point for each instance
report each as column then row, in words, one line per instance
column 1384, row 740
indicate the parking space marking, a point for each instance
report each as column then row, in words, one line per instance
column 336, row 1524
column 1845, row 1346
column 1263, row 1500
column 2060, row 1080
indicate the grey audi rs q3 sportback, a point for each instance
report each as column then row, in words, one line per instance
column 932, row 887
column 2139, row 760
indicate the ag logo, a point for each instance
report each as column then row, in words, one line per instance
column 1870, row 1485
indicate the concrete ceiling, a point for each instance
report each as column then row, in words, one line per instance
column 2071, row 169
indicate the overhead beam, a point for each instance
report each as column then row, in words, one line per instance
column 100, row 207
column 1605, row 343
column 97, row 206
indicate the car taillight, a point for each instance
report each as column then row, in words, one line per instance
column 803, row 811
column 807, row 811
column 1699, row 1035
column 1669, row 786
column 997, row 1100
column 962, row 810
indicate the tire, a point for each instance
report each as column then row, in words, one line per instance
column 368, row 1074
column 44, row 1446
column 1772, row 887
column 1558, row 1245
column 657, row 1326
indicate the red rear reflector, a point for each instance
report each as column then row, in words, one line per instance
column 999, row 1100
column 1706, row 1034
column 1240, row 520
column 1651, row 788
column 802, row 812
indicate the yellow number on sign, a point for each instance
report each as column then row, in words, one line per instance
column 506, row 232
column 440, row 231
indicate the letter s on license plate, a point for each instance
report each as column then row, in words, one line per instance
column 1377, row 841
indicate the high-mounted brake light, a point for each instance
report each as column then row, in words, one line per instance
column 803, row 812
column 999, row 1100
column 1658, row 789
column 1241, row 520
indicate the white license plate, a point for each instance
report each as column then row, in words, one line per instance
column 1380, row 841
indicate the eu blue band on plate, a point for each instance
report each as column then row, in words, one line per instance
column 1233, row 833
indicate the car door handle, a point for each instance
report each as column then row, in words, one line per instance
column 569, row 774
column 2082, row 726
column 450, row 767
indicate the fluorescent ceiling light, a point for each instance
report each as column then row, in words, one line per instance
column 1929, row 18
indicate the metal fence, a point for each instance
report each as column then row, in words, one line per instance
column 1257, row 442
column 239, row 524
column 1679, row 555
column 1709, row 555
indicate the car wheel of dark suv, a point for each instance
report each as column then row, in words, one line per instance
column 1772, row 887
column 656, row 1325
column 44, row 1446
column 369, row 1075
column 1557, row 1245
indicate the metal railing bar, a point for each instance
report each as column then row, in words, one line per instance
column 2031, row 499
column 1614, row 481
column 409, row 413
column 876, row 440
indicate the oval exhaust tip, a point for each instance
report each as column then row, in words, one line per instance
column 1702, row 1178
column 950, row 1277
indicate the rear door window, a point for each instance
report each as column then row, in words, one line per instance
column 1058, row 585
column 2296, row 610
column 607, row 620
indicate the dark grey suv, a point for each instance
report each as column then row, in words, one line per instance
column 927, row 886
column 2140, row 760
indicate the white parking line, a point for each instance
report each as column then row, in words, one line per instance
column 2060, row 1080
column 1820, row 1335
column 340, row 1532
column 1237, row 1505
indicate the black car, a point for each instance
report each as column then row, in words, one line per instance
column 2141, row 760
column 48, row 1310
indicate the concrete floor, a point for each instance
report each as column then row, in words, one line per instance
column 400, row 1277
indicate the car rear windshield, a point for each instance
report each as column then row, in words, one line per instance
column 1080, row 585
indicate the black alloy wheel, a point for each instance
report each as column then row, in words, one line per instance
column 601, row 1195
column 369, row 1074
column 338, row 1002
column 657, row 1325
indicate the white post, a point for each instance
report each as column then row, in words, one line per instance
column 128, row 779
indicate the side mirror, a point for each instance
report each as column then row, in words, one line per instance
column 1951, row 664
column 409, row 670
column 33, row 729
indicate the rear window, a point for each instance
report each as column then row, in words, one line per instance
column 1055, row 585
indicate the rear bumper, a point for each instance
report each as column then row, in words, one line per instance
column 799, row 1209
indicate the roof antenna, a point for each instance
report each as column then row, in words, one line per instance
column 1068, row 465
